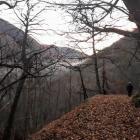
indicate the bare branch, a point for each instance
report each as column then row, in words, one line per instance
column 9, row 5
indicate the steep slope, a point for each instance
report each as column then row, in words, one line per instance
column 121, row 66
column 98, row 118
column 11, row 37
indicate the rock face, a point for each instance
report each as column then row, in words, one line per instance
column 98, row 118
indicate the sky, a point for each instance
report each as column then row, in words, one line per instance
column 56, row 22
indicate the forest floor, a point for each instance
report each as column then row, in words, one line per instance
column 102, row 117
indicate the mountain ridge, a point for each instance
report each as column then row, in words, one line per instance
column 17, row 35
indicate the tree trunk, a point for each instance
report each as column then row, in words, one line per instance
column 7, row 131
column 96, row 65
column 83, row 86
column 70, row 90
column 104, row 78
column 134, row 13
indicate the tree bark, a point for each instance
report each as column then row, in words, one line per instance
column 134, row 12
column 83, row 86
column 103, row 86
column 70, row 90
column 96, row 65
column 7, row 131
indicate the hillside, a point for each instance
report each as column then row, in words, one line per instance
column 121, row 62
column 41, row 58
column 13, row 36
column 49, row 98
column 121, row 66
column 98, row 118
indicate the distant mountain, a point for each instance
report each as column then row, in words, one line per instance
column 122, row 64
column 11, row 36
column 10, row 30
column 68, row 54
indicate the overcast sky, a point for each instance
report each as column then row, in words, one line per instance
column 57, row 20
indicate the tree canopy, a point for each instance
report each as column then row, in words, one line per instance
column 93, row 13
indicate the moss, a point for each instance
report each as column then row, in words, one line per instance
column 136, row 100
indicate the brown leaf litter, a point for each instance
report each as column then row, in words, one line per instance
column 103, row 117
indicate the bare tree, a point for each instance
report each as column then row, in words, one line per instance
column 9, row 4
column 27, row 61
column 93, row 16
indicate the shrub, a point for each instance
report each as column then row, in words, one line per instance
column 136, row 100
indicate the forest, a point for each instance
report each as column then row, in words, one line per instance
column 72, row 70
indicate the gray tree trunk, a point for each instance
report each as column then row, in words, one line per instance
column 7, row 131
column 96, row 65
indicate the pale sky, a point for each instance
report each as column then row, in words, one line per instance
column 57, row 20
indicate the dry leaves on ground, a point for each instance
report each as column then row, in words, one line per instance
column 104, row 117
